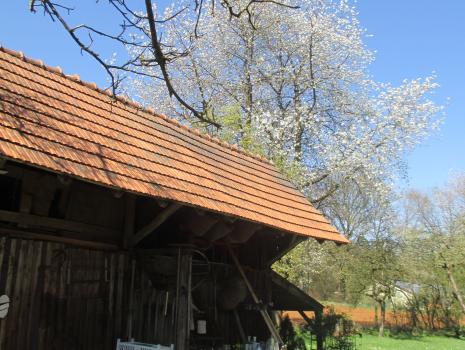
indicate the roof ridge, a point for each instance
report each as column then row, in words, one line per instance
column 127, row 101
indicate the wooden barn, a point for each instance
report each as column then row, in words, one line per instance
column 120, row 223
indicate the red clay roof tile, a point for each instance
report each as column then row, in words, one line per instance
column 60, row 123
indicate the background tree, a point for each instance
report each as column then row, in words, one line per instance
column 367, row 268
column 373, row 268
column 374, row 271
column 433, row 231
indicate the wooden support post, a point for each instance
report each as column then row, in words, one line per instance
column 183, row 296
column 318, row 329
column 129, row 219
column 266, row 317
column 155, row 223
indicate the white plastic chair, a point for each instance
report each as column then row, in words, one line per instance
column 133, row 345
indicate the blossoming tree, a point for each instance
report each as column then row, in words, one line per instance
column 288, row 79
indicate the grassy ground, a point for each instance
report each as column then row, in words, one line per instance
column 372, row 342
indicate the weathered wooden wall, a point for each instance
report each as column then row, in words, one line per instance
column 64, row 297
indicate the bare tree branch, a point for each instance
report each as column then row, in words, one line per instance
column 133, row 22
column 162, row 63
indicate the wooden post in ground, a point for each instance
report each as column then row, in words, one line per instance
column 183, row 295
column 319, row 329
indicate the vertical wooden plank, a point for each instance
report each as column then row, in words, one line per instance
column 171, row 324
column 3, row 273
column 2, row 254
column 119, row 296
column 130, row 316
column 67, row 304
column 85, row 293
column 164, row 319
column 89, row 298
column 76, row 296
column 93, row 317
column 54, row 278
column 145, row 308
column 34, row 299
column 155, row 331
column 136, row 307
column 140, row 309
column 112, row 261
column 150, row 315
column 16, row 299
column 64, row 272
column 27, row 277
column 54, row 293
column 45, row 306
column 6, row 281
column 182, row 320
column 98, row 329
column 84, row 290
column 43, row 297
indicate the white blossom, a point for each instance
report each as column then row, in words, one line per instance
column 296, row 82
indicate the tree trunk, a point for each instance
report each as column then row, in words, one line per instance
column 382, row 306
column 299, row 127
column 248, row 87
column 376, row 316
column 455, row 289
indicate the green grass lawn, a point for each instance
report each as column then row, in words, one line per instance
column 372, row 342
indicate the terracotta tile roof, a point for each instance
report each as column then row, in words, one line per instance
column 60, row 123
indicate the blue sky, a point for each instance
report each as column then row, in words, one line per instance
column 412, row 39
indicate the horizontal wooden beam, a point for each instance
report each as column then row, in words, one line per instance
column 50, row 238
column 155, row 223
column 57, row 224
